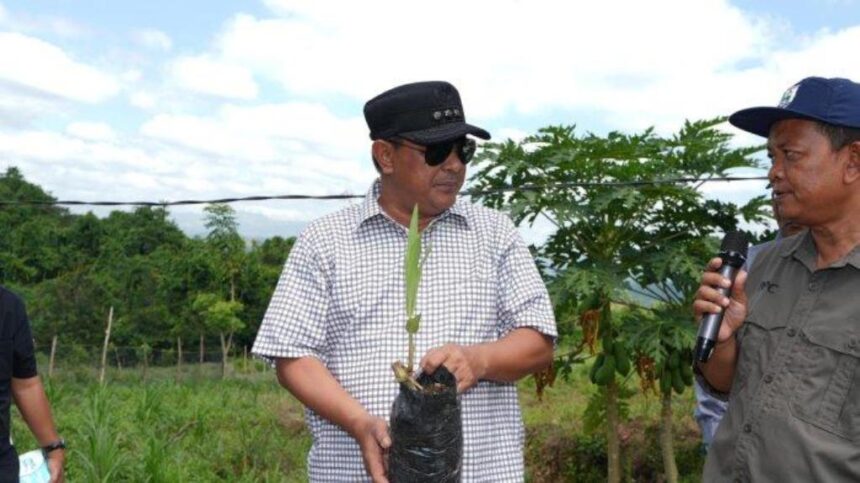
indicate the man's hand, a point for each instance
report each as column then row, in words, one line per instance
column 371, row 433
column 709, row 300
column 55, row 465
column 466, row 363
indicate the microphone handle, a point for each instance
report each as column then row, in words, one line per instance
column 709, row 327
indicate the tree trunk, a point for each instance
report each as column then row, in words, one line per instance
column 201, row 349
column 225, row 349
column 178, row 358
column 53, row 353
column 666, row 440
column 105, row 346
column 613, row 450
column 145, row 362
column 245, row 360
column 116, row 356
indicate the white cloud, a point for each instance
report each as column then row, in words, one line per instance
column 153, row 39
column 93, row 131
column 142, row 100
column 527, row 56
column 302, row 135
column 618, row 64
column 656, row 64
column 207, row 76
column 37, row 65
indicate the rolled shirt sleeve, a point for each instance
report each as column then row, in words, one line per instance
column 524, row 301
column 295, row 322
column 23, row 352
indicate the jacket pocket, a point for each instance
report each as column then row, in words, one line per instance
column 757, row 340
column 827, row 388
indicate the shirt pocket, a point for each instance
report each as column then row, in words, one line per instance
column 827, row 390
column 756, row 341
column 6, row 359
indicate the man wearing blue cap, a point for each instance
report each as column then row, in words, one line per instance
column 337, row 321
column 788, row 352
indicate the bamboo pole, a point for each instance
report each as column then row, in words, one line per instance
column 104, row 348
column 178, row 358
column 145, row 361
column 53, row 353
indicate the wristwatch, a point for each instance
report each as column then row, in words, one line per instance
column 58, row 444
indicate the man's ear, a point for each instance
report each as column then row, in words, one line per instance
column 852, row 167
column 383, row 154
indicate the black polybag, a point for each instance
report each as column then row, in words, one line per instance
column 427, row 432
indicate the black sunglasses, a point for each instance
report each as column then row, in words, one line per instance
column 436, row 154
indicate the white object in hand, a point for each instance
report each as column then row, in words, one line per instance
column 33, row 468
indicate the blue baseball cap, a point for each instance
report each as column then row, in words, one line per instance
column 833, row 101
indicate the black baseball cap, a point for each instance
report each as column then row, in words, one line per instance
column 832, row 101
column 422, row 112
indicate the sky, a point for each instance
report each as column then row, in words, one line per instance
column 167, row 100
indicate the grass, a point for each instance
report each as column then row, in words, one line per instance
column 248, row 429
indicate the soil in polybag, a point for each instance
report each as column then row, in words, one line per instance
column 426, row 432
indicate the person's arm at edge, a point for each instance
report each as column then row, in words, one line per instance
column 312, row 384
column 32, row 403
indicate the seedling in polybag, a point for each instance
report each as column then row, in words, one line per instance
column 412, row 267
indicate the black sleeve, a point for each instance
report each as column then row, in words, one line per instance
column 23, row 353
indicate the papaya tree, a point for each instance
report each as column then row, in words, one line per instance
column 614, row 211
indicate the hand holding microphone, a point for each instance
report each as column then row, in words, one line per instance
column 721, row 303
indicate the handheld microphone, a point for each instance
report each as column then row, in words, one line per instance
column 733, row 252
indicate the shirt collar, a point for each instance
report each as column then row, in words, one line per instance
column 370, row 208
column 802, row 246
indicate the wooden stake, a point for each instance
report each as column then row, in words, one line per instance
column 178, row 358
column 145, row 362
column 104, row 348
column 53, row 353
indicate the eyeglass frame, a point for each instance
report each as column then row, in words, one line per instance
column 466, row 149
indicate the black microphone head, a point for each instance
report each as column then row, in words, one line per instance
column 734, row 248
column 735, row 241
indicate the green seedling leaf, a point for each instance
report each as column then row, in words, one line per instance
column 412, row 263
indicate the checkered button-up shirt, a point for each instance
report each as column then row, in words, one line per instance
column 341, row 299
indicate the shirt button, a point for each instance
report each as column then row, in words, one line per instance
column 768, row 378
column 791, row 332
column 747, row 428
column 813, row 286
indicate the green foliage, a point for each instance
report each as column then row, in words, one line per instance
column 642, row 245
column 218, row 315
column 623, row 236
column 239, row 429
column 70, row 269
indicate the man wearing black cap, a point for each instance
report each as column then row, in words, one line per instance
column 337, row 321
column 788, row 354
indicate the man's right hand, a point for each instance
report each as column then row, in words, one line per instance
column 709, row 300
column 371, row 433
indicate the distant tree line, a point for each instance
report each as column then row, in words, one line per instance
column 163, row 284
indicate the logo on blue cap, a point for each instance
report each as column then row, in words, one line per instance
column 788, row 95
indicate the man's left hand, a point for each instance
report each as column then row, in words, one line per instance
column 55, row 465
column 466, row 363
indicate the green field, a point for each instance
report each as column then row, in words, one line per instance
column 246, row 428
